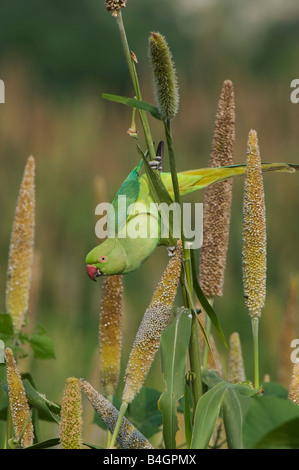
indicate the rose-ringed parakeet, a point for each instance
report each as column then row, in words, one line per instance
column 124, row 252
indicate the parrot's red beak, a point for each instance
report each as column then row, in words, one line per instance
column 93, row 272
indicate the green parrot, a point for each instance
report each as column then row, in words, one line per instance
column 124, row 252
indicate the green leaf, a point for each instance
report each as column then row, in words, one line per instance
column 174, row 347
column 42, row 346
column 45, row 444
column 188, row 415
column 134, row 103
column 206, row 414
column 273, row 388
column 285, row 436
column 6, row 326
column 208, row 409
column 234, row 410
column 144, row 413
column 270, row 423
column 211, row 377
column 48, row 410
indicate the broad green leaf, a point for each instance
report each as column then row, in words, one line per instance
column 273, row 388
column 270, row 416
column 134, row 103
column 234, row 409
column 208, row 409
column 144, row 413
column 206, row 414
column 42, row 346
column 174, row 347
column 285, row 436
column 211, row 377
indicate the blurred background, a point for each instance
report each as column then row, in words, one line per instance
column 56, row 58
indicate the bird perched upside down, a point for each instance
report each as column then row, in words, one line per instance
column 122, row 253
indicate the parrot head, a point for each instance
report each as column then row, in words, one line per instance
column 106, row 259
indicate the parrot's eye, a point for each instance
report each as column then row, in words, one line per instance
column 103, row 259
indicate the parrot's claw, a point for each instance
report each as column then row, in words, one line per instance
column 171, row 250
column 157, row 164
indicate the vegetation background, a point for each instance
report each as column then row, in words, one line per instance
column 56, row 58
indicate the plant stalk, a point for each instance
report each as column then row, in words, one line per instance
column 122, row 411
column 135, row 82
column 208, row 325
column 187, row 278
column 255, row 326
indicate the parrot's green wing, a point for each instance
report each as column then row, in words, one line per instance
column 117, row 214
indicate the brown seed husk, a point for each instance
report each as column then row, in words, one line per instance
column 217, row 199
column 128, row 436
column 115, row 5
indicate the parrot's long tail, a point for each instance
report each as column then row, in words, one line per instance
column 193, row 180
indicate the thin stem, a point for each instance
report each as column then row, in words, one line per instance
column 122, row 411
column 174, row 176
column 194, row 362
column 110, row 398
column 135, row 82
column 188, row 280
column 208, row 325
column 255, row 327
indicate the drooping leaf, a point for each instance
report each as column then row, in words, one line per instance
column 48, row 410
column 134, row 103
column 45, row 444
column 174, row 346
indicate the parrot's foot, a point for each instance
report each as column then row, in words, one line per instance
column 157, row 164
column 171, row 250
